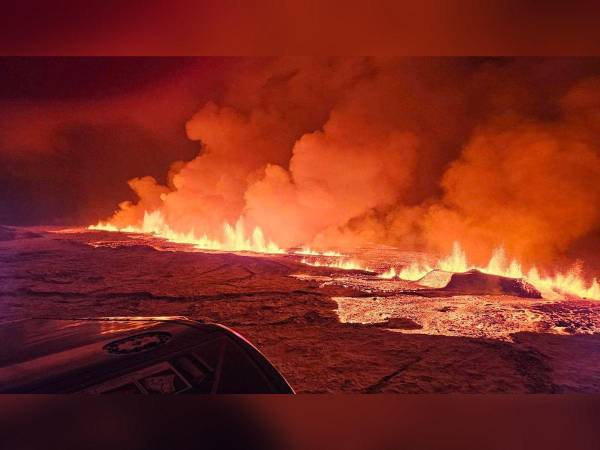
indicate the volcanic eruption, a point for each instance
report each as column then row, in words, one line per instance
column 411, row 153
column 371, row 224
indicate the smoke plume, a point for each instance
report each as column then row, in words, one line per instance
column 414, row 153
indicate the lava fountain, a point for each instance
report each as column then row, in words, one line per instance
column 558, row 285
column 234, row 237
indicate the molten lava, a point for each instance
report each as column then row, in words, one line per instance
column 388, row 274
column 234, row 237
column 338, row 263
column 556, row 286
column 310, row 252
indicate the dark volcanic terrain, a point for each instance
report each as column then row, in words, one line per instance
column 327, row 330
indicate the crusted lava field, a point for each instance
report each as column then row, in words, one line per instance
column 327, row 330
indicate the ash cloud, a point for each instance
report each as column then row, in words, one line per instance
column 409, row 152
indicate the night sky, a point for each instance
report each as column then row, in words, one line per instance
column 74, row 130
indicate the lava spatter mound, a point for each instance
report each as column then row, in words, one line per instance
column 475, row 282
column 435, row 279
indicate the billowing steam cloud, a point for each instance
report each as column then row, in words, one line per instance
column 415, row 153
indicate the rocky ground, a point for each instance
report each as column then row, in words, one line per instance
column 327, row 330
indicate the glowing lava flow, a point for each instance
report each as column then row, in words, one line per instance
column 340, row 260
column 234, row 237
column 556, row 286
column 338, row 264
column 388, row 274
column 310, row 252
